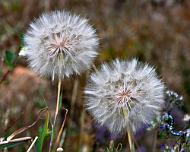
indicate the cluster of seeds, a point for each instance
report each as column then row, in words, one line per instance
column 120, row 94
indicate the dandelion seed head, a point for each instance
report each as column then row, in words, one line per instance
column 59, row 44
column 124, row 93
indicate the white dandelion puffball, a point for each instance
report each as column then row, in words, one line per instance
column 124, row 94
column 59, row 44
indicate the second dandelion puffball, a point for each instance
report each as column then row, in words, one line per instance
column 124, row 94
column 59, row 44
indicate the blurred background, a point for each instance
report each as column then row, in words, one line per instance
column 154, row 31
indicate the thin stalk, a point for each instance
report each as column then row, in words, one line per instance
column 82, row 117
column 154, row 141
column 130, row 140
column 61, row 129
column 63, row 138
column 74, row 96
column 56, row 114
column 94, row 67
column 111, row 145
column 82, row 120
column 34, row 141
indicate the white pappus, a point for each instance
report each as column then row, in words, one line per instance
column 124, row 94
column 60, row 44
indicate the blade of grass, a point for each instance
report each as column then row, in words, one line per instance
column 61, row 129
column 43, row 134
column 74, row 96
column 63, row 138
column 14, row 142
column 60, row 101
column 34, row 141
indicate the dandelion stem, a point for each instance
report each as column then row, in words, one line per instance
column 111, row 145
column 56, row 113
column 130, row 140
column 154, row 141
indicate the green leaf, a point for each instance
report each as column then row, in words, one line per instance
column 9, row 145
column 1, row 72
column 60, row 101
column 40, row 103
column 43, row 134
column 21, row 38
column 10, row 58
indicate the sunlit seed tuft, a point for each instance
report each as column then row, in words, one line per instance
column 124, row 93
column 59, row 44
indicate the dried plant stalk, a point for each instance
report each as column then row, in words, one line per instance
column 61, row 129
column 130, row 139
column 34, row 141
column 56, row 114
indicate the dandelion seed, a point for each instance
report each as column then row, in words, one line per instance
column 124, row 94
column 59, row 44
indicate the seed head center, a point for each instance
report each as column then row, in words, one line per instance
column 123, row 97
column 58, row 45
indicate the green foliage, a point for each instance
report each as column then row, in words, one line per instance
column 10, row 145
column 72, row 132
column 114, row 149
column 163, row 135
column 10, row 58
column 13, row 143
column 1, row 72
column 40, row 103
column 44, row 133
column 60, row 101
column 13, row 5
column 21, row 38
